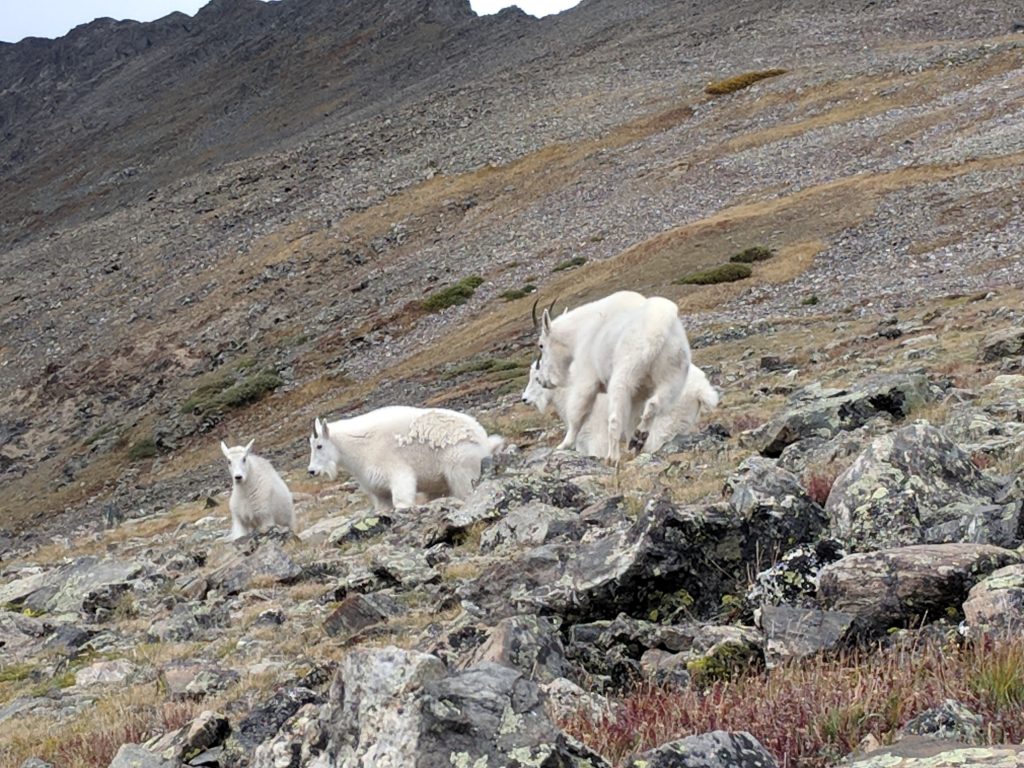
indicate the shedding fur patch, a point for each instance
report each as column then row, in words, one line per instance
column 439, row 430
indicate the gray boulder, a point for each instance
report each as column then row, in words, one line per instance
column 135, row 756
column 906, row 585
column 65, row 588
column 268, row 562
column 793, row 633
column 528, row 643
column 818, row 412
column 915, row 486
column 1008, row 342
column 996, row 603
column 950, row 720
column 716, row 749
column 929, row 752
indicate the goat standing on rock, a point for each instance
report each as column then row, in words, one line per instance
column 632, row 348
column 398, row 451
column 259, row 497
column 698, row 397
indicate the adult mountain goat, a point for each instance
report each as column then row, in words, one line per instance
column 399, row 451
column 631, row 348
column 697, row 398
column 259, row 497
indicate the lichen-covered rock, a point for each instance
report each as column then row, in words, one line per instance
column 793, row 633
column 996, row 603
column 794, row 579
column 20, row 635
column 818, row 412
column 264, row 721
column 400, row 709
column 903, row 586
column 1007, row 342
column 528, row 643
column 205, row 732
column 373, row 707
column 268, row 562
column 715, row 749
column 950, row 720
column 915, row 486
column 114, row 672
column 532, row 524
column 670, row 559
column 357, row 612
column 492, row 715
column 928, row 752
column 759, row 488
column 299, row 741
column 63, row 589
column 135, row 756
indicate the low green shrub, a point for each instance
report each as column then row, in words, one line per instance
column 575, row 261
column 459, row 293
column 752, row 254
column 724, row 273
column 518, row 293
column 142, row 449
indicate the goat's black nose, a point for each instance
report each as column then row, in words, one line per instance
column 238, row 478
column 312, row 473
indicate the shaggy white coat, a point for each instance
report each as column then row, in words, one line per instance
column 260, row 498
column 397, row 452
column 636, row 352
column 698, row 398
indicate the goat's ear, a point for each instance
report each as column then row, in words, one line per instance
column 545, row 322
column 248, row 446
column 224, row 450
column 323, row 428
column 316, row 427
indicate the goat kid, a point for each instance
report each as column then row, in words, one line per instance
column 259, row 497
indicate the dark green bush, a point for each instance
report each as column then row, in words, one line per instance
column 249, row 390
column 724, row 273
column 752, row 254
column 575, row 261
column 458, row 293
column 518, row 293
column 142, row 449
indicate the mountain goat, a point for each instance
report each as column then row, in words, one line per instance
column 397, row 451
column 698, row 397
column 259, row 497
column 630, row 349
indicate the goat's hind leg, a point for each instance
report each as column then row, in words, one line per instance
column 659, row 406
column 403, row 488
column 578, row 407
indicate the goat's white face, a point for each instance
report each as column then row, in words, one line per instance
column 323, row 454
column 238, row 460
column 553, row 364
column 535, row 394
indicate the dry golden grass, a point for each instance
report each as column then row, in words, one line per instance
column 739, row 82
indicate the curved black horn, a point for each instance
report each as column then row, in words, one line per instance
column 533, row 311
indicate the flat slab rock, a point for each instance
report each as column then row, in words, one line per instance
column 926, row 752
column 894, row 586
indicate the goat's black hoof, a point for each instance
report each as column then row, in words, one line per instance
column 636, row 443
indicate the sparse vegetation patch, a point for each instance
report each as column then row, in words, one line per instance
column 739, row 82
column 724, row 273
column 459, row 293
column 518, row 293
column 752, row 254
column 143, row 449
column 575, row 261
column 224, row 392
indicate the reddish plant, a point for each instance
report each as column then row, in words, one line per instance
column 818, row 483
column 812, row 712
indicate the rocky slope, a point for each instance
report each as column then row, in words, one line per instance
column 223, row 226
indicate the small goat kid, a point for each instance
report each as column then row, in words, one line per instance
column 399, row 451
column 259, row 497
column 697, row 398
column 632, row 348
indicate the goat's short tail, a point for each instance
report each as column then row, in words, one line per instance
column 708, row 396
column 495, row 443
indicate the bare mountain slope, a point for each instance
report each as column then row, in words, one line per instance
column 261, row 197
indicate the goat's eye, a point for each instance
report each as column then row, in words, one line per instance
column 319, row 446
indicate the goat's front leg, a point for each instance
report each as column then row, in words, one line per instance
column 577, row 408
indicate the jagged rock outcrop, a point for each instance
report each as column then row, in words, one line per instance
column 915, row 486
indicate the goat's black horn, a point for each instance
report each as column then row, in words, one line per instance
column 533, row 311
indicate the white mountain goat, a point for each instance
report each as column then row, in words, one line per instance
column 697, row 398
column 259, row 497
column 630, row 350
column 397, row 451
